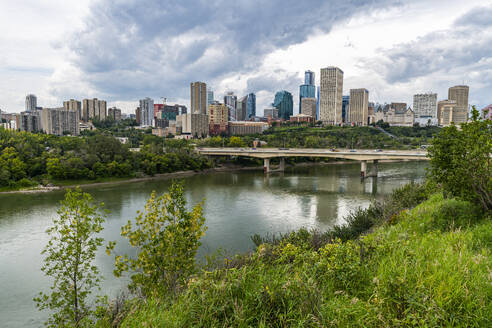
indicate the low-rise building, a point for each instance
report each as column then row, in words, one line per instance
column 302, row 118
column 446, row 110
column 395, row 117
column 271, row 113
column 247, row 127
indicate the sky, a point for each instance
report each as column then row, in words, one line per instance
column 125, row 50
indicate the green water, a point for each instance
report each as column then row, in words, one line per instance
column 237, row 205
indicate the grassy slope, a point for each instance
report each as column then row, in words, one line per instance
column 420, row 271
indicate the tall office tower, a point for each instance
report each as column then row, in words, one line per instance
column 147, row 111
column 345, row 108
column 251, row 106
column 446, row 110
column 93, row 108
column 58, row 121
column 31, row 103
column 230, row 100
column 459, row 94
column 358, row 106
column 198, row 98
column 241, row 108
column 330, row 95
column 210, row 96
column 306, row 91
column 309, row 78
column 283, row 102
column 425, row 108
column 308, row 107
column 73, row 105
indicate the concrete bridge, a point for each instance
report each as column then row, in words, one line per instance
column 353, row 154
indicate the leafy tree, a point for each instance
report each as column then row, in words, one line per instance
column 69, row 260
column 166, row 237
column 236, row 142
column 461, row 163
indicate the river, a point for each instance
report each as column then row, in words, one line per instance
column 237, row 205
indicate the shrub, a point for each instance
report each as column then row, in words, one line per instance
column 454, row 214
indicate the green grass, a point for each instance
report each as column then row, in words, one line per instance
column 415, row 270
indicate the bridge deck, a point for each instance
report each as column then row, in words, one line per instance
column 358, row 155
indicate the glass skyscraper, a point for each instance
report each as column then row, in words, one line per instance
column 309, row 78
column 251, row 106
column 345, row 108
column 308, row 89
column 283, row 102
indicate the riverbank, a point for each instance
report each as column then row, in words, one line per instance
column 62, row 185
column 417, row 267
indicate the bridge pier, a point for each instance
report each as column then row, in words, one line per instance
column 363, row 169
column 266, row 165
column 374, row 170
column 281, row 166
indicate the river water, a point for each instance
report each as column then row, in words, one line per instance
column 237, row 205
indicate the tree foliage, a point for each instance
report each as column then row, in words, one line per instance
column 461, row 162
column 69, row 261
column 166, row 237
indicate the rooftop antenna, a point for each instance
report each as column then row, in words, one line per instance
column 163, row 100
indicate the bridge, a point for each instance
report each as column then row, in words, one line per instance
column 363, row 156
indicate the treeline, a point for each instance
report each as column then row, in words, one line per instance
column 30, row 159
column 303, row 136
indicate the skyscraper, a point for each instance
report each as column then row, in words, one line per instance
column 459, row 94
column 147, row 111
column 358, row 106
column 198, row 97
column 241, row 108
column 210, row 96
column 93, row 108
column 59, row 121
column 309, row 78
column 425, row 108
column 345, row 108
column 251, row 106
column 73, row 104
column 31, row 103
column 230, row 100
column 283, row 102
column 308, row 89
column 330, row 95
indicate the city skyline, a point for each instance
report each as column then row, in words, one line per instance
column 411, row 51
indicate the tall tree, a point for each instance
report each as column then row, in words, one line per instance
column 461, row 160
column 166, row 237
column 69, row 261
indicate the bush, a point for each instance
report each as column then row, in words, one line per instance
column 454, row 214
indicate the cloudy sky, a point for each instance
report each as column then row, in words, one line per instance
column 125, row 50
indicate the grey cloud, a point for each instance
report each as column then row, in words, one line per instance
column 461, row 53
column 132, row 48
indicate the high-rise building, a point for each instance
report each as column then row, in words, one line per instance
column 330, row 95
column 93, row 108
column 218, row 114
column 59, row 121
column 358, row 106
column 138, row 116
column 425, row 108
column 230, row 100
column 169, row 112
column 309, row 78
column 283, row 102
column 306, row 91
column 31, row 103
column 241, row 108
column 29, row 121
column 251, row 106
column 194, row 124
column 198, row 97
column 459, row 94
column 147, row 111
column 446, row 110
column 345, row 108
column 308, row 107
column 73, row 104
column 114, row 114
column 210, row 96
